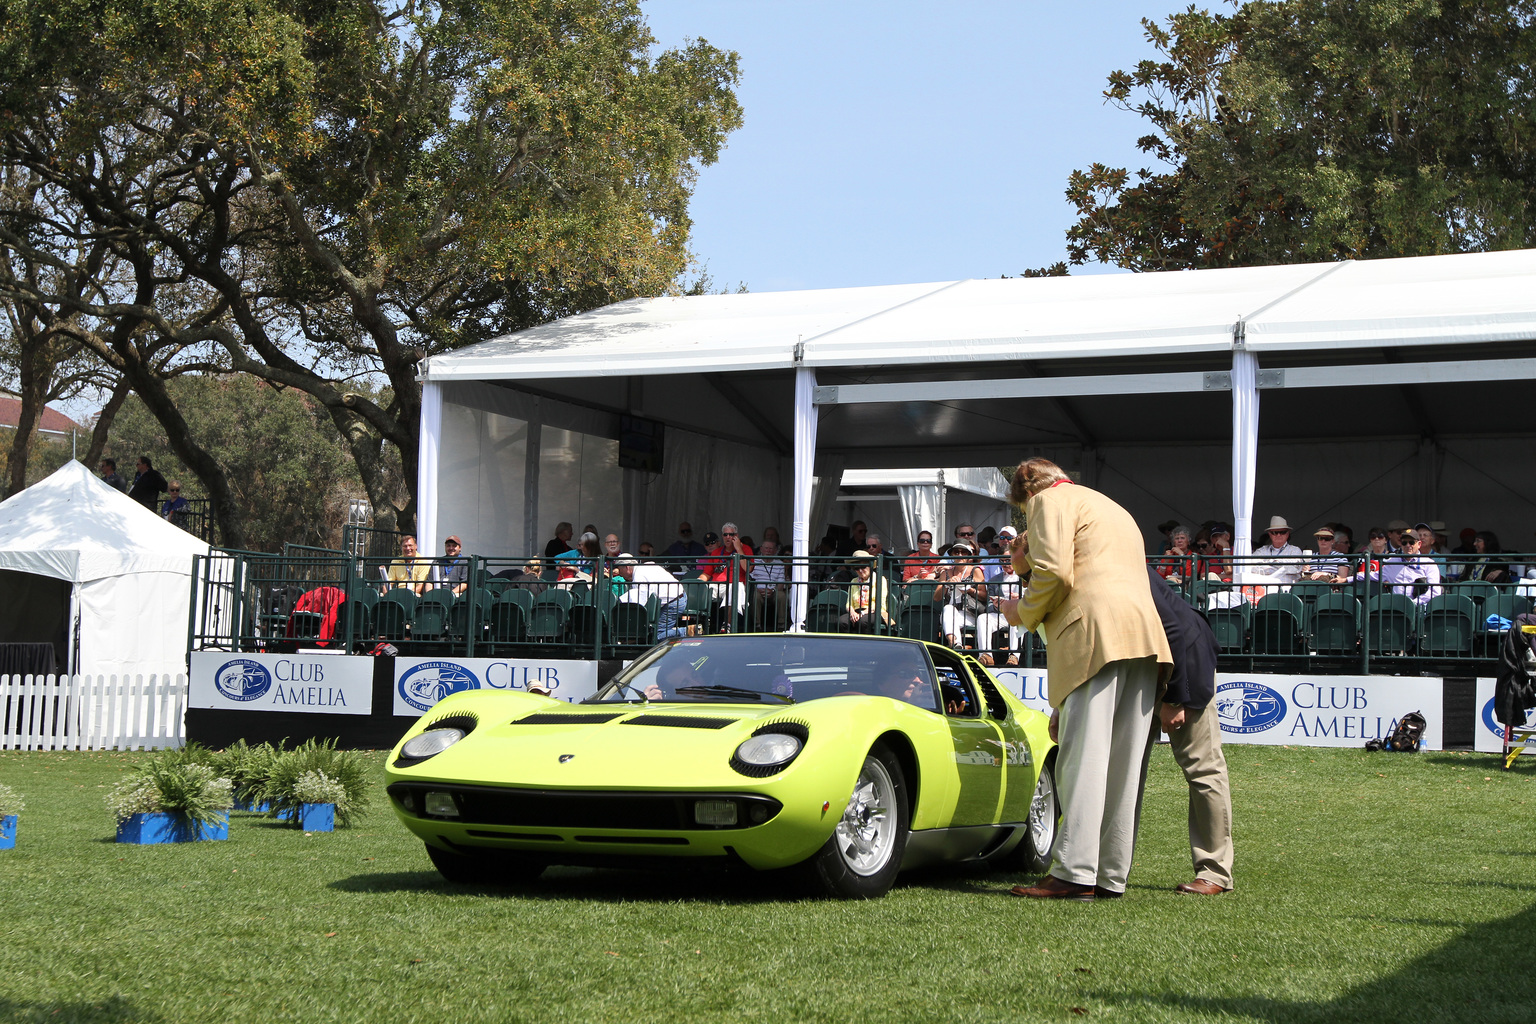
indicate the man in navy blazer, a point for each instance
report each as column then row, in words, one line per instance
column 1194, row 734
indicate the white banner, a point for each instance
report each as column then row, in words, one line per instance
column 422, row 682
column 1488, row 733
column 1323, row 711
column 1304, row 711
column 332, row 684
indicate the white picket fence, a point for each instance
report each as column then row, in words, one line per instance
column 92, row 712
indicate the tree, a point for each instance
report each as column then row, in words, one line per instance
column 286, row 467
column 323, row 195
column 1314, row 130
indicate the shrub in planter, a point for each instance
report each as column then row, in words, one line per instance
column 11, row 805
column 247, row 768
column 344, row 773
column 170, row 800
column 318, row 794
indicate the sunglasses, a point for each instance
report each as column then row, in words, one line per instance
column 686, row 533
column 728, row 535
column 925, row 540
column 967, row 534
column 175, row 490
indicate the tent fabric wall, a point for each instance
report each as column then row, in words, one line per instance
column 708, row 481
column 153, row 641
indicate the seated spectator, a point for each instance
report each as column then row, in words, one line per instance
column 964, row 533
column 452, row 570
column 580, row 563
column 1466, row 546
column 529, row 577
column 1279, row 559
column 561, row 542
column 963, row 591
column 645, row 579
column 1001, row 585
column 855, row 541
column 1395, row 530
column 148, row 484
column 409, row 570
column 685, row 547
column 1426, row 535
column 1407, row 573
column 1376, row 544
column 1178, row 563
column 1327, row 566
column 730, row 560
column 1486, row 565
column 175, row 507
column 1343, row 539
column 868, row 598
column 770, row 588
column 822, row 566
column 611, row 546
column 646, row 550
column 1217, row 564
column 921, row 563
column 1164, row 543
column 109, row 473
column 772, row 533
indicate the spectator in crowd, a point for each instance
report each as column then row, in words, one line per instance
column 453, row 568
column 1485, row 564
column 965, row 534
column 611, row 547
column 1177, row 564
column 821, row 568
column 109, row 473
column 1343, row 539
column 1466, row 547
column 868, row 598
column 963, row 590
column 1426, row 535
column 1327, row 566
column 148, row 484
column 921, row 563
column 561, row 544
column 720, row 567
column 1395, row 530
column 772, row 533
column 1278, row 559
column 1218, row 562
column 1406, row 572
column 409, row 570
column 646, row 578
column 647, row 550
column 1165, row 539
column 528, row 577
column 175, row 507
column 770, row 588
column 855, row 541
column 685, row 547
column 580, row 562
column 1376, row 543
column 1003, row 585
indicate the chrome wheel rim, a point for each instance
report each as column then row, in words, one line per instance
column 1042, row 815
column 866, row 834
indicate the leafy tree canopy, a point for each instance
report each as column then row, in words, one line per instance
column 1314, row 130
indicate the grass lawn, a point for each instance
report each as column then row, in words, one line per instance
column 1371, row 887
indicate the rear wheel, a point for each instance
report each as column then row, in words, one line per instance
column 863, row 855
column 489, row 867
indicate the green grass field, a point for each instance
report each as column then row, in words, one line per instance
column 1370, row 887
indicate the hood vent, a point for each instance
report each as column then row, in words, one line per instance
column 567, row 718
column 683, row 721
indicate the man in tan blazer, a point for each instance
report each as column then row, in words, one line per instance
column 1105, row 648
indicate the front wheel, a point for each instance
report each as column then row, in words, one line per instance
column 485, row 868
column 1033, row 852
column 863, row 855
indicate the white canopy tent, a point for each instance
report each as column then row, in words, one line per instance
column 83, row 561
column 1392, row 388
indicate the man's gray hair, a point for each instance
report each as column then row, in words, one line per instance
column 729, row 526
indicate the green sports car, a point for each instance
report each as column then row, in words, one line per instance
column 845, row 758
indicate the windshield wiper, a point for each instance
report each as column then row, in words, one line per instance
column 729, row 693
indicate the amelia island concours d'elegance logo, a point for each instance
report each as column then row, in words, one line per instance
column 1246, row 707
column 424, row 685
column 242, row 679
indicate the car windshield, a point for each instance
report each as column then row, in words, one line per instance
column 775, row 670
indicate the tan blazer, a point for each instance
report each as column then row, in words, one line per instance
column 1089, row 586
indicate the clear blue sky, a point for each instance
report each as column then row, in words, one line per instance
column 902, row 142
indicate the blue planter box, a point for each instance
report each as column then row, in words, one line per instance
column 149, row 829
column 245, row 804
column 317, row 817
column 8, row 832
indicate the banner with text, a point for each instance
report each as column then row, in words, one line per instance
column 422, row 682
column 1308, row 711
column 1489, row 732
column 332, row 684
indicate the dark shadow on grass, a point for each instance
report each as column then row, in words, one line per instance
column 1483, row 975
column 96, row 1011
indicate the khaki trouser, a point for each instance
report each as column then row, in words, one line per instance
column 1105, row 726
column 1197, row 748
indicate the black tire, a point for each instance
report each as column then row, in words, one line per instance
column 1032, row 854
column 860, row 861
column 487, row 868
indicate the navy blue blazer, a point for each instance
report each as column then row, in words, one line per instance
column 1193, row 682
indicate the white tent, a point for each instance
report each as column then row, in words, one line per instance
column 84, row 566
column 901, row 503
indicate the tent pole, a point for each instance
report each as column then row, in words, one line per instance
column 806, row 415
column 426, row 466
column 1245, row 441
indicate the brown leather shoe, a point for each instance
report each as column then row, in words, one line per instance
column 1101, row 893
column 1200, row 887
column 1052, row 888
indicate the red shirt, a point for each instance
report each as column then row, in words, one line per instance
column 917, row 565
column 717, row 566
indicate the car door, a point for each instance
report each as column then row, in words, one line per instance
column 978, row 751
column 1019, row 771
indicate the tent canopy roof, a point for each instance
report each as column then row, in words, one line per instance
column 74, row 526
column 1462, row 299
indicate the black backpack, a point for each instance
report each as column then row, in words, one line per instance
column 1410, row 729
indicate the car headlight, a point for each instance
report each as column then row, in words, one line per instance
column 768, row 748
column 430, row 743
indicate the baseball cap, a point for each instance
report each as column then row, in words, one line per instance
column 1008, row 532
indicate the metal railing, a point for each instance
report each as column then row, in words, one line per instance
column 1363, row 618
